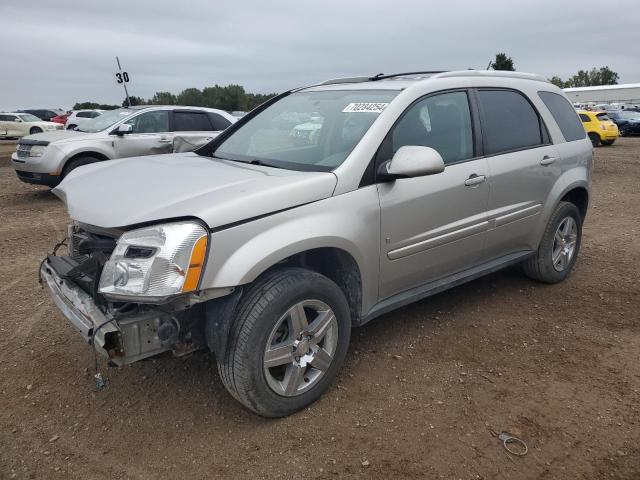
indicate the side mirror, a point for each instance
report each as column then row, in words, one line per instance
column 123, row 129
column 412, row 161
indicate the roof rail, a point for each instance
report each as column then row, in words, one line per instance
column 380, row 76
column 345, row 80
column 491, row 73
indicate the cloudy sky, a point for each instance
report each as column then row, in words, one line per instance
column 58, row 52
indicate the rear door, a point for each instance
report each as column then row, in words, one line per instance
column 523, row 166
column 4, row 128
column 150, row 135
column 192, row 129
column 435, row 225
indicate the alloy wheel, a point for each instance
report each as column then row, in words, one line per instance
column 300, row 348
column 564, row 243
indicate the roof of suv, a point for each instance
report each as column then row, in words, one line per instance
column 400, row 81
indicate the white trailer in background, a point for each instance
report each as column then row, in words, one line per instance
column 624, row 94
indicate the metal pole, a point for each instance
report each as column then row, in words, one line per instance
column 124, row 84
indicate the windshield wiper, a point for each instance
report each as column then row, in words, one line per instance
column 255, row 161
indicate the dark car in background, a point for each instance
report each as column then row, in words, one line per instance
column 628, row 121
column 44, row 113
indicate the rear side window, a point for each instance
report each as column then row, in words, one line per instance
column 218, row 121
column 191, row 122
column 564, row 115
column 585, row 118
column 83, row 115
column 509, row 121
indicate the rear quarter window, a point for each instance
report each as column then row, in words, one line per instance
column 565, row 116
column 585, row 118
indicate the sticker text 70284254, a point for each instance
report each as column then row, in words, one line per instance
column 365, row 107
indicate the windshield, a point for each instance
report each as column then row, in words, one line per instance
column 29, row 118
column 313, row 131
column 105, row 120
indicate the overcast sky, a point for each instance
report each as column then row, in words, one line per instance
column 54, row 53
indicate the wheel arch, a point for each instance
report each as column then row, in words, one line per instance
column 86, row 153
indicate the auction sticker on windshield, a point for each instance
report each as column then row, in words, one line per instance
column 365, row 108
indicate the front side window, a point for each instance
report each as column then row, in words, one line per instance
column 308, row 130
column 442, row 122
column 191, row 122
column 83, row 114
column 156, row 121
column 509, row 122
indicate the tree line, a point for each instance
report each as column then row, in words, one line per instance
column 584, row 78
column 230, row 98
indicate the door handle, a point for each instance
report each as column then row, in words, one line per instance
column 474, row 180
column 547, row 160
column 165, row 140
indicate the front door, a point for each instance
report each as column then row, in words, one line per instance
column 433, row 226
column 150, row 135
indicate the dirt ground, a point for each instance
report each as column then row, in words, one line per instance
column 555, row 365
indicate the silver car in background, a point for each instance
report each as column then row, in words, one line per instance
column 321, row 210
column 48, row 157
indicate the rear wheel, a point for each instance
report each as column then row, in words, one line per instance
column 288, row 341
column 77, row 162
column 71, row 127
column 607, row 142
column 558, row 250
column 35, row 130
column 595, row 139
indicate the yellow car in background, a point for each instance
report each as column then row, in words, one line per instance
column 599, row 127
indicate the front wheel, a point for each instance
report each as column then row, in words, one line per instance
column 622, row 132
column 288, row 341
column 559, row 247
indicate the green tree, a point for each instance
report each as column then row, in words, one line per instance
column 588, row 78
column 93, row 105
column 557, row 81
column 191, row 97
column 502, row 62
column 163, row 98
column 134, row 101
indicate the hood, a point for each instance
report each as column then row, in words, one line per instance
column 119, row 193
column 53, row 135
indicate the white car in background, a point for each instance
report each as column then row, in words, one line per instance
column 16, row 124
column 78, row 118
column 48, row 157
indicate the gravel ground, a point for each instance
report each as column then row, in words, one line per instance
column 555, row 365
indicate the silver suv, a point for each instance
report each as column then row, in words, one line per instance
column 46, row 158
column 321, row 210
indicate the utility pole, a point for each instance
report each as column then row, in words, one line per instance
column 124, row 81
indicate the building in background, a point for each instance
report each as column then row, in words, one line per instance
column 624, row 94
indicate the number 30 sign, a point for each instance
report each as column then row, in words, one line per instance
column 122, row 77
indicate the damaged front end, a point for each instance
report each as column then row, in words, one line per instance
column 124, row 331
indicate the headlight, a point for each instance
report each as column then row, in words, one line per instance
column 156, row 261
column 37, row 150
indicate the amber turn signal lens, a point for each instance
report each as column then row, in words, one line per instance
column 195, row 265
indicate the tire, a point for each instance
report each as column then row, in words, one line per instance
column 541, row 266
column 264, row 319
column 595, row 139
column 71, row 127
column 622, row 132
column 607, row 142
column 34, row 130
column 77, row 162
